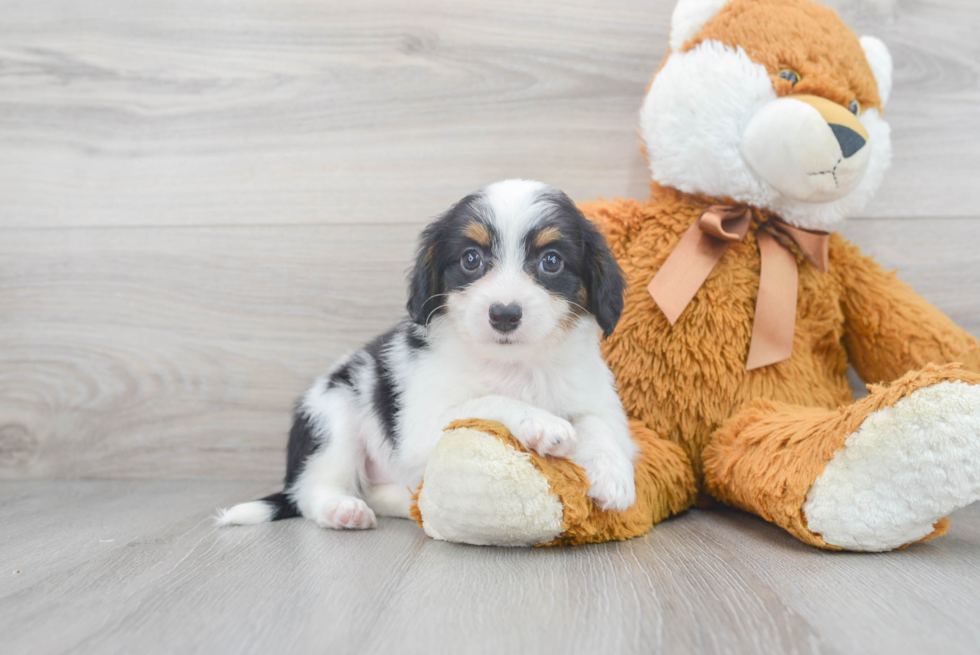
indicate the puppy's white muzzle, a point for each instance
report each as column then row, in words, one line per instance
column 808, row 148
column 539, row 313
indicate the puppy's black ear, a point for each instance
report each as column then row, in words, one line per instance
column 603, row 279
column 425, row 284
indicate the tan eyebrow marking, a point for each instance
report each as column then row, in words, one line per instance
column 548, row 235
column 478, row 232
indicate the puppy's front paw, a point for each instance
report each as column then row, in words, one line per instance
column 546, row 434
column 345, row 513
column 612, row 481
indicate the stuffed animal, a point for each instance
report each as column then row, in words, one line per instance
column 764, row 129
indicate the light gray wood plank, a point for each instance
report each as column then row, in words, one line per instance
column 181, row 352
column 919, row 600
column 187, row 586
column 287, row 112
column 178, row 352
column 669, row 592
column 713, row 581
column 49, row 527
column 197, row 112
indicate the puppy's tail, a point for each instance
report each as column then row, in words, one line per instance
column 271, row 508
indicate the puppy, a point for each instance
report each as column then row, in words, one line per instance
column 509, row 293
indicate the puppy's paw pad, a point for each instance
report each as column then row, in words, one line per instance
column 346, row 513
column 613, row 487
column 546, row 434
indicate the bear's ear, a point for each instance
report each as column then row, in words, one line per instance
column 881, row 65
column 689, row 17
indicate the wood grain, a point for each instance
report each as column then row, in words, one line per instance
column 178, row 352
column 201, row 112
column 898, row 591
column 706, row 582
column 48, row 528
column 176, row 349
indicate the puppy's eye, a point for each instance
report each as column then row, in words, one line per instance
column 790, row 75
column 552, row 263
column 855, row 107
column 471, row 261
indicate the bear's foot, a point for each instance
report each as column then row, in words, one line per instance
column 480, row 490
column 483, row 487
column 905, row 468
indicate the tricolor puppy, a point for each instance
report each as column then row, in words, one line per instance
column 509, row 294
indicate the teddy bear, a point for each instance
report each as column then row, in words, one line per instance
column 764, row 129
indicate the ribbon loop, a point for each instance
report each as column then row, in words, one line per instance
column 726, row 223
column 702, row 247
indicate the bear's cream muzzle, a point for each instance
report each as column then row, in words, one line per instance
column 808, row 148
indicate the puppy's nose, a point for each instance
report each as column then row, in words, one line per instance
column 505, row 318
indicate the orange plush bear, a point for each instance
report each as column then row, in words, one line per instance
column 763, row 128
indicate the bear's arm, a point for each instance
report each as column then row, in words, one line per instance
column 889, row 329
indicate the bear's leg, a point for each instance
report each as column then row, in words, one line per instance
column 482, row 487
column 873, row 476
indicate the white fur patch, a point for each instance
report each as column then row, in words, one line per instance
column 689, row 17
column 515, row 206
column 694, row 115
column 692, row 123
column 905, row 468
column 257, row 511
column 880, row 61
column 478, row 490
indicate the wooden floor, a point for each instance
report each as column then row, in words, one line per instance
column 138, row 567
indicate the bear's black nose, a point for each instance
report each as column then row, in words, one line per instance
column 505, row 318
column 849, row 140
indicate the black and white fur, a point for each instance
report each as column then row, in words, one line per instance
column 508, row 296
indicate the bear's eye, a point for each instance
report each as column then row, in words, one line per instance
column 855, row 107
column 790, row 75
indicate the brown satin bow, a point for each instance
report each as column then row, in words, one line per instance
column 701, row 248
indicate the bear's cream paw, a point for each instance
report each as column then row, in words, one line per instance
column 480, row 490
column 546, row 434
column 905, row 468
column 342, row 512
